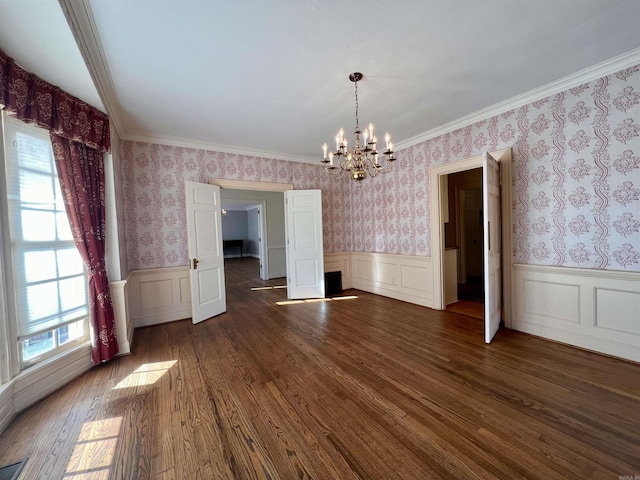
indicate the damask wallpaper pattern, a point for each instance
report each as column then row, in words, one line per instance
column 576, row 185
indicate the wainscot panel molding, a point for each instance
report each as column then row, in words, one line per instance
column 159, row 295
column 592, row 309
column 403, row 277
column 339, row 262
column 41, row 380
column 7, row 405
column 124, row 325
column 277, row 261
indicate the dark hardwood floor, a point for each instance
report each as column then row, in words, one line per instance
column 359, row 388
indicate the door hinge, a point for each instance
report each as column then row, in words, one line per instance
column 195, row 263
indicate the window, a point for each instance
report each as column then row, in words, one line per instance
column 51, row 304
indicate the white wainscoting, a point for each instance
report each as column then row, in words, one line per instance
column 39, row 381
column 7, row 405
column 159, row 295
column 277, row 261
column 339, row 262
column 403, row 277
column 43, row 379
column 124, row 325
column 596, row 310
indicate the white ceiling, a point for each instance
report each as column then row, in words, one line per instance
column 272, row 75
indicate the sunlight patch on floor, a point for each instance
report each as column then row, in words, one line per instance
column 316, row 300
column 93, row 454
column 146, row 374
column 275, row 287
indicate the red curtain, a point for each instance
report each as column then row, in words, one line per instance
column 81, row 174
column 79, row 135
column 31, row 99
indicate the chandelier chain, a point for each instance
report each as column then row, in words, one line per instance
column 357, row 105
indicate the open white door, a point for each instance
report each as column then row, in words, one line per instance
column 305, row 255
column 206, row 260
column 492, row 246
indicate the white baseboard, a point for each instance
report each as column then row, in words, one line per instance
column 591, row 309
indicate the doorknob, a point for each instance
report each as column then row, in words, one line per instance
column 195, row 263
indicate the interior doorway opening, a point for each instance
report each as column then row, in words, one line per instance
column 244, row 231
column 497, row 225
column 464, row 243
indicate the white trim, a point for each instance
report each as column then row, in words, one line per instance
column 7, row 405
column 149, row 137
column 250, row 185
column 159, row 295
column 340, row 262
column 592, row 309
column 608, row 67
column 403, row 277
column 41, row 380
column 121, row 313
column 581, row 272
column 82, row 24
column 437, row 231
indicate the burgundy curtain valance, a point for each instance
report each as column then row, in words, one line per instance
column 34, row 100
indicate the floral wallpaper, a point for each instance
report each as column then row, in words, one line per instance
column 576, row 185
column 154, row 204
column 576, row 178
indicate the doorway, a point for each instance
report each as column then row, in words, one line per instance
column 244, row 230
column 464, row 243
column 439, row 213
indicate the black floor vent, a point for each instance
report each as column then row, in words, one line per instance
column 11, row 472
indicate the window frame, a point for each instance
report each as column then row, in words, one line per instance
column 12, row 344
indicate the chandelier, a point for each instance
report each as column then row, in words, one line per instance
column 363, row 159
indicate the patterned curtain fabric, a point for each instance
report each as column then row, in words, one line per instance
column 79, row 135
column 33, row 100
column 81, row 174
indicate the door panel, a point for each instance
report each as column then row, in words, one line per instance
column 305, row 255
column 206, row 260
column 492, row 246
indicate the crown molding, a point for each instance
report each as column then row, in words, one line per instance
column 200, row 145
column 587, row 75
column 83, row 27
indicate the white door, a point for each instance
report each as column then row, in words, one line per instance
column 262, row 242
column 305, row 255
column 206, row 259
column 492, row 247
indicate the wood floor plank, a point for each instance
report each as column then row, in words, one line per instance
column 361, row 388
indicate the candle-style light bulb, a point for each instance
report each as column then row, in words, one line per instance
column 324, row 150
column 331, row 158
column 337, row 142
column 341, row 133
column 387, row 137
column 371, row 131
column 390, row 147
column 344, row 142
column 374, row 140
column 366, row 135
